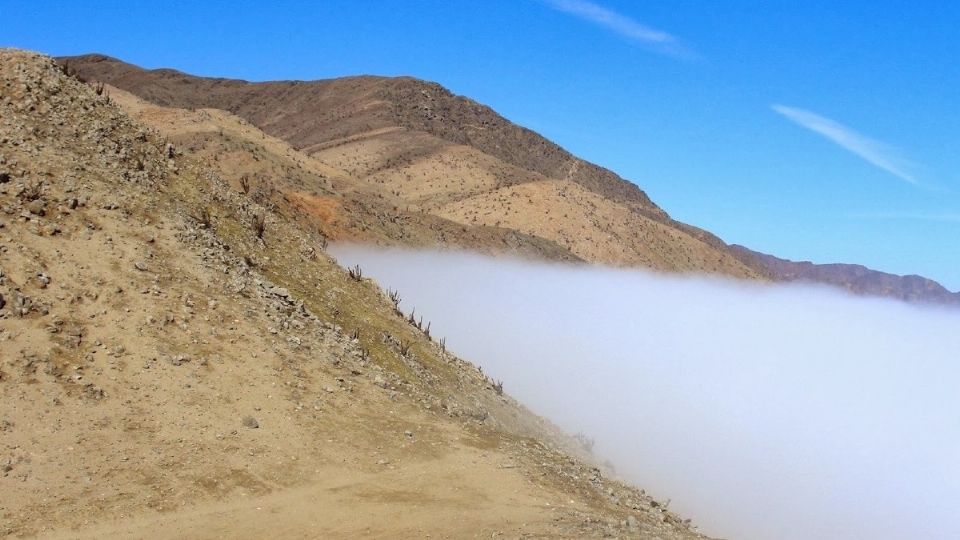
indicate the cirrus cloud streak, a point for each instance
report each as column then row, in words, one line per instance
column 872, row 151
column 623, row 25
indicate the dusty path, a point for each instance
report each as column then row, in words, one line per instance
column 458, row 496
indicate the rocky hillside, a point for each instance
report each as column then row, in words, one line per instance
column 403, row 161
column 314, row 193
column 180, row 358
column 448, row 157
column 854, row 278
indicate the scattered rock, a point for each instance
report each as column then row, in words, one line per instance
column 140, row 265
column 36, row 207
column 179, row 359
column 251, row 422
column 21, row 304
column 92, row 391
column 281, row 292
column 73, row 335
column 4, row 177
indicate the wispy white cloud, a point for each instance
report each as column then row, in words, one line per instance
column 875, row 152
column 621, row 24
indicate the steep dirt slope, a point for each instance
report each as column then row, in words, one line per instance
column 441, row 157
column 315, row 193
column 178, row 360
column 570, row 228
column 318, row 112
column 855, row 278
column 416, row 141
column 589, row 226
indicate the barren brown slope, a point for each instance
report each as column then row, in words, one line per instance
column 856, row 278
column 168, row 372
column 316, row 194
column 318, row 112
column 417, row 141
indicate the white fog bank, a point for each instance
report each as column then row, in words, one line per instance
column 763, row 412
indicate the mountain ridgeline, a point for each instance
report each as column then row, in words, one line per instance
column 418, row 154
column 448, row 156
column 855, row 278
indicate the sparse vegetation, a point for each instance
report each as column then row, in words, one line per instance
column 412, row 318
column 32, row 191
column 586, row 442
column 264, row 194
column 394, row 297
column 203, row 217
column 356, row 273
column 259, row 225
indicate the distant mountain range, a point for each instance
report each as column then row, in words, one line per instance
column 403, row 161
column 855, row 278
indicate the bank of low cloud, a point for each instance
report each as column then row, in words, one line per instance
column 761, row 411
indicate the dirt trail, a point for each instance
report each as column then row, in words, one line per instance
column 463, row 495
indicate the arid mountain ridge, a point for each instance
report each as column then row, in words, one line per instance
column 316, row 114
column 855, row 278
column 452, row 160
column 180, row 358
column 447, row 156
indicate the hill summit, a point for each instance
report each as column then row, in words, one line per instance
column 446, row 156
column 401, row 161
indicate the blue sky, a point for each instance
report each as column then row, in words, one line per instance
column 821, row 130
